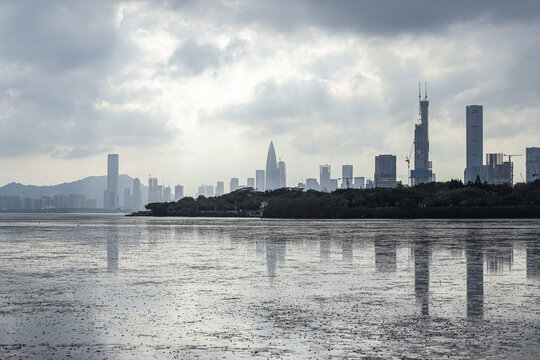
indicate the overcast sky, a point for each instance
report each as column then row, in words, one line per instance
column 193, row 92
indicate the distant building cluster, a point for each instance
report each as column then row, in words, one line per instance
column 71, row 201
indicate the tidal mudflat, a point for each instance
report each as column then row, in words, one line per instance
column 106, row 286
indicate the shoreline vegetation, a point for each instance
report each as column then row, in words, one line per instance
column 434, row 200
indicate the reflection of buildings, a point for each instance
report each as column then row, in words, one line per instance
column 275, row 254
column 499, row 259
column 475, row 280
column 385, row 255
column 533, row 260
column 112, row 253
column 421, row 275
column 325, row 246
column 347, row 249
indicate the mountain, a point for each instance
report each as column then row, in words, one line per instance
column 92, row 186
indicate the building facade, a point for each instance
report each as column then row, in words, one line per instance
column 233, row 184
column 220, row 188
column 178, row 192
column 272, row 171
column 282, row 169
column 347, row 176
column 385, row 171
column 324, row 177
column 422, row 172
column 259, row 180
column 111, row 198
column 475, row 147
column 532, row 163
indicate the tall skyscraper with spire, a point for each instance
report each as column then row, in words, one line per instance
column 422, row 166
column 272, row 170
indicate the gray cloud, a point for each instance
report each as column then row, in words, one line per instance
column 371, row 17
column 192, row 58
column 58, row 57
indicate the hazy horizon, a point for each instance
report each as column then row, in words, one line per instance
column 193, row 92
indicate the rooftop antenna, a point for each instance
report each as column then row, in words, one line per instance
column 419, row 91
column 425, row 90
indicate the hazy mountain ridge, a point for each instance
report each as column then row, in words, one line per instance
column 91, row 186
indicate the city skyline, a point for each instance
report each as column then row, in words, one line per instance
column 327, row 91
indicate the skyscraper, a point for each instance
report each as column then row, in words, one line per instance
column 532, row 163
column 272, row 171
column 153, row 192
column 251, row 182
column 385, row 171
column 167, row 194
column 324, row 177
column 346, row 176
column 497, row 171
column 475, row 151
column 128, row 203
column 220, row 188
column 233, row 184
column 259, row 180
column 282, row 174
column 422, row 165
column 137, row 194
column 111, row 193
column 178, row 192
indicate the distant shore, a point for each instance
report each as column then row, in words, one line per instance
column 450, row 199
column 64, row 211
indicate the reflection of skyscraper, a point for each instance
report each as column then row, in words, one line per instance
column 475, row 279
column 533, row 259
column 325, row 247
column 275, row 253
column 272, row 171
column 421, row 275
column 111, row 194
column 112, row 252
column 385, row 255
column 347, row 249
column 499, row 259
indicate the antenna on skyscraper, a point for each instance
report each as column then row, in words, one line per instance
column 425, row 90
column 419, row 91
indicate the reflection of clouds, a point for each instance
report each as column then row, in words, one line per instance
column 475, row 278
column 421, row 275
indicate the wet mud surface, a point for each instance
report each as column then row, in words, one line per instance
column 102, row 286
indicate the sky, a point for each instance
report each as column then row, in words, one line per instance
column 192, row 92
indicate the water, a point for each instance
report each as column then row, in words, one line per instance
column 106, row 286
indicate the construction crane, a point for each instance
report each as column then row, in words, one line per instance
column 346, row 181
column 408, row 161
column 512, row 170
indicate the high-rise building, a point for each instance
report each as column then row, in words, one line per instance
column 220, row 188
column 209, row 190
column 475, row 150
column 346, row 176
column 497, row 171
column 127, row 199
column 259, row 180
column 282, row 174
column 359, row 182
column 422, row 166
column 324, row 177
column 137, row 194
column 110, row 198
column 532, row 163
column 272, row 171
column 178, row 192
column 333, row 185
column 167, row 194
column 153, row 195
column 312, row 184
column 385, row 171
column 233, row 184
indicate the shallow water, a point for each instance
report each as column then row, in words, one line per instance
column 109, row 286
